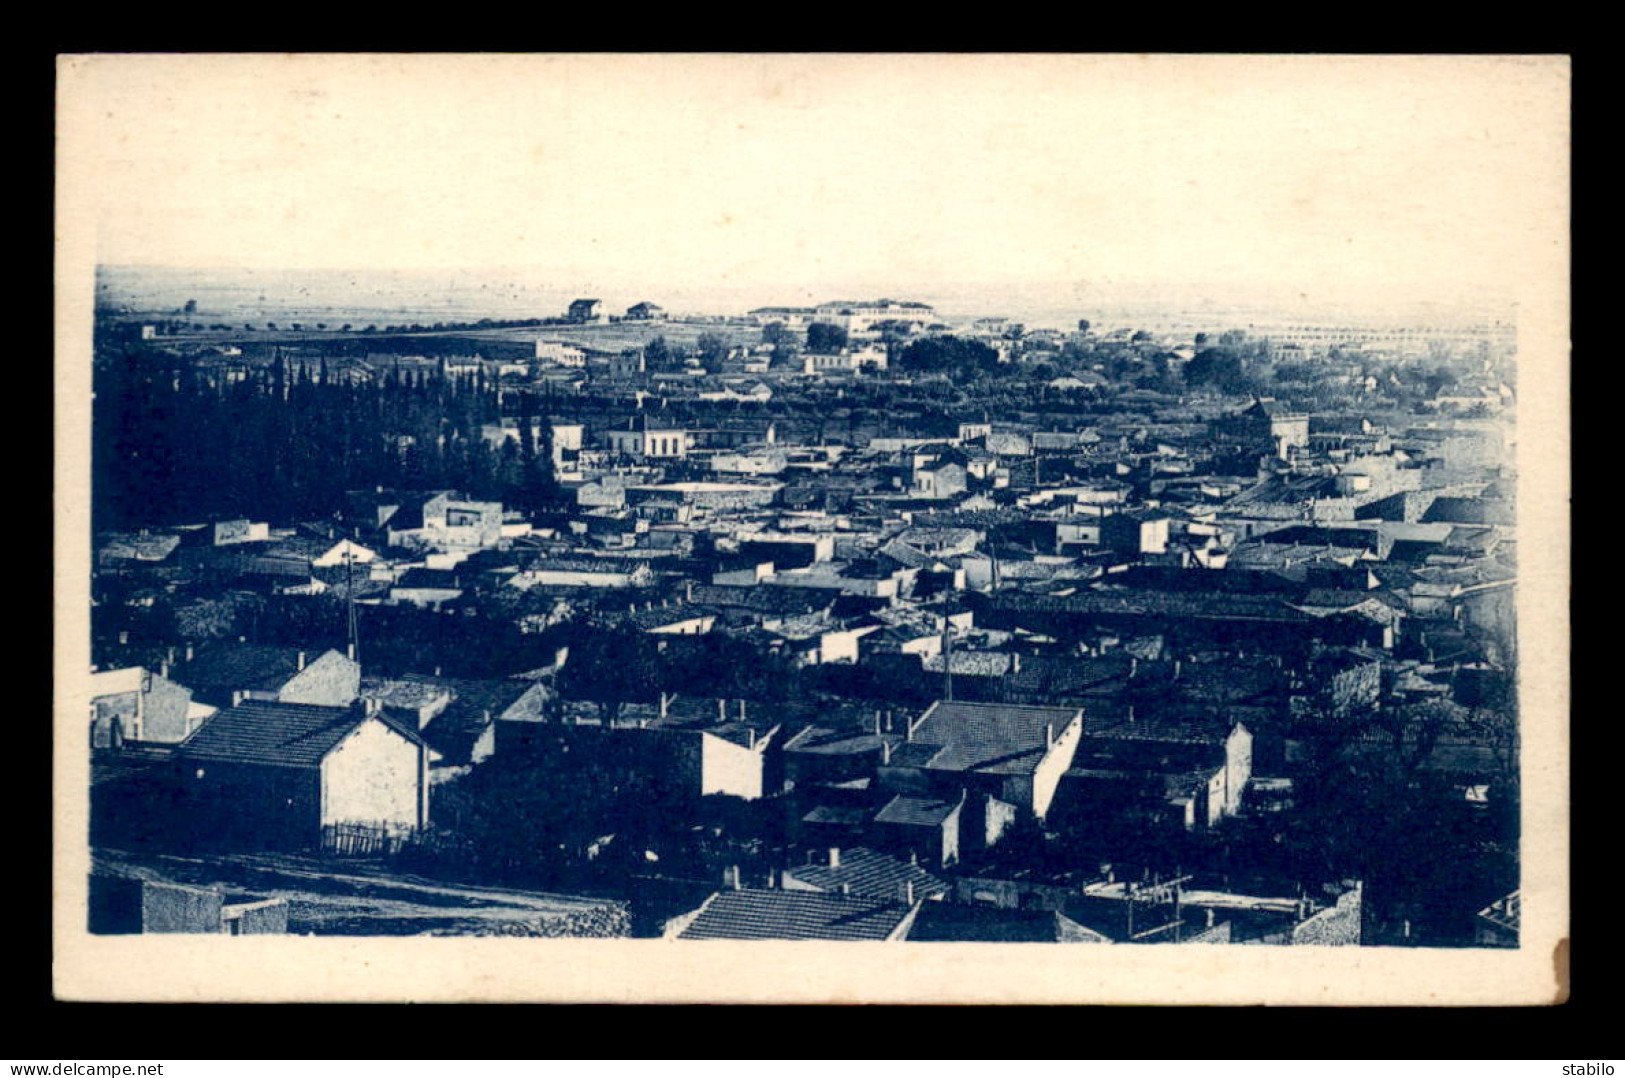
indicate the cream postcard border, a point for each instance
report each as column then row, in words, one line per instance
column 176, row 968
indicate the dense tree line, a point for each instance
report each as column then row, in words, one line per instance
column 171, row 445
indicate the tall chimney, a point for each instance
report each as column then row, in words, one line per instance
column 189, row 653
column 908, row 892
column 741, row 711
column 1049, row 735
column 301, row 660
column 877, row 722
column 834, row 857
column 885, row 753
column 722, row 710
column 123, row 636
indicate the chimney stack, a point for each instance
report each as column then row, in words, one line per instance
column 834, row 857
column 301, row 660
column 732, row 877
column 123, row 636
column 1049, row 735
column 741, row 711
column 908, row 892
column 845, row 890
column 722, row 710
column 885, row 753
column 189, row 652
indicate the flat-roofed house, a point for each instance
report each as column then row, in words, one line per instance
column 140, row 705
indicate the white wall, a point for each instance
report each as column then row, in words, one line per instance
column 727, row 768
column 372, row 777
column 1047, row 775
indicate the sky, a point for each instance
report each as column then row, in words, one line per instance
column 782, row 178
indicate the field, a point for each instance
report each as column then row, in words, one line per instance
column 611, row 337
column 327, row 897
column 619, row 336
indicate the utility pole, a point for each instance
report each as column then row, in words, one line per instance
column 351, row 628
column 947, row 658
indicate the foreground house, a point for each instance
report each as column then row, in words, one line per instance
column 281, row 775
column 794, row 915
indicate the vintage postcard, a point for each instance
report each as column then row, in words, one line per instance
column 812, row 528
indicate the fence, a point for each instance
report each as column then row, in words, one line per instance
column 364, row 840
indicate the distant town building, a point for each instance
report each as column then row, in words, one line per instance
column 560, row 354
column 644, row 439
column 586, row 310
column 645, row 312
column 860, row 316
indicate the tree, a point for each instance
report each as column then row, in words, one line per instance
column 1219, row 368
column 825, row 338
column 612, row 669
column 713, row 349
column 660, row 356
column 1083, row 325
column 954, row 355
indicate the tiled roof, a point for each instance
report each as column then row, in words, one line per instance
column 794, row 915
column 287, row 735
column 915, row 811
column 823, row 741
column 869, row 874
column 242, row 666
column 1165, row 604
column 1003, row 738
column 840, row 815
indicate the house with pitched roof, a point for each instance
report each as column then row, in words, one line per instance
column 223, row 675
column 863, row 872
column 1011, row 752
column 275, row 775
column 794, row 915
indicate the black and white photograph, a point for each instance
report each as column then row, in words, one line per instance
column 1094, row 524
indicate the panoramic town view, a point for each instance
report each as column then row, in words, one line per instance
column 845, row 621
column 807, row 604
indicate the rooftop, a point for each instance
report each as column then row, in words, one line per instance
column 285, row 735
column 795, row 915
